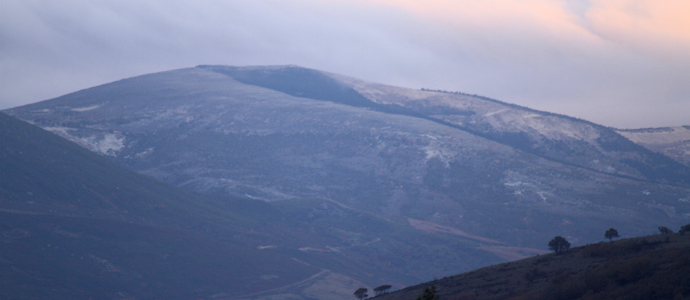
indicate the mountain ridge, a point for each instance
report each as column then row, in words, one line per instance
column 673, row 142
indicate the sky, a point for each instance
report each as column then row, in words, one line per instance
column 619, row 63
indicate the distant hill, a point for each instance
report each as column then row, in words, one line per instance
column 673, row 142
column 650, row 267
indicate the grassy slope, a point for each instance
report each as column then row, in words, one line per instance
column 76, row 226
column 651, row 267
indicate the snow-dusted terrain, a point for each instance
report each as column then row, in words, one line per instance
column 673, row 142
column 490, row 170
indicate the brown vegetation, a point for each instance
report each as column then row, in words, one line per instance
column 651, row 267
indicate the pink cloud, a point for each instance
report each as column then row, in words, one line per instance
column 651, row 27
column 655, row 27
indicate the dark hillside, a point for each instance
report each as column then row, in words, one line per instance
column 651, row 267
column 44, row 173
column 298, row 82
column 74, row 225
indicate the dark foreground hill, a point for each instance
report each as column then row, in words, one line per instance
column 650, row 267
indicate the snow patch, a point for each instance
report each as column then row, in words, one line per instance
column 102, row 143
column 432, row 152
column 87, row 108
column 436, row 149
column 109, row 144
column 144, row 153
column 512, row 120
column 489, row 114
column 328, row 249
column 431, row 137
column 61, row 131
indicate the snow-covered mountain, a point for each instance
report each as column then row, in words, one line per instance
column 500, row 178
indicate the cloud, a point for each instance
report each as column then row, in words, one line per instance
column 619, row 63
column 660, row 28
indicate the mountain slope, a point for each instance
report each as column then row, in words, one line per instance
column 651, row 267
column 552, row 136
column 76, row 222
column 478, row 180
column 556, row 137
column 77, row 226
